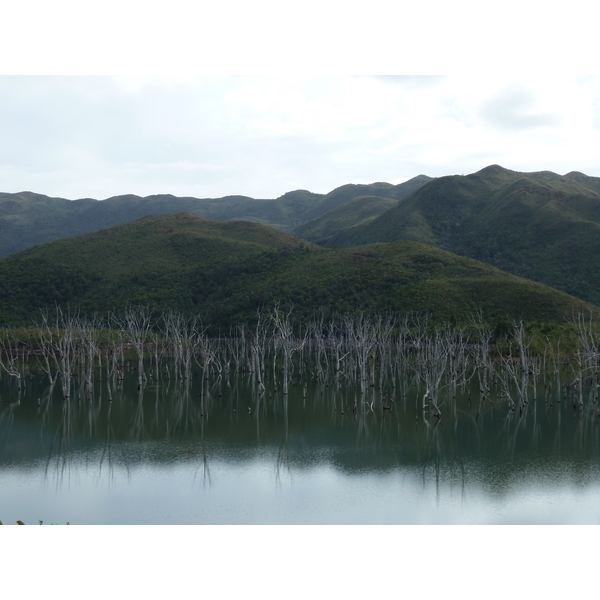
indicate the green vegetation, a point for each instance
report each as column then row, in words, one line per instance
column 225, row 271
column 28, row 219
column 383, row 248
column 349, row 192
column 541, row 226
column 357, row 211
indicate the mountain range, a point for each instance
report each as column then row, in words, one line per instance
column 448, row 245
column 541, row 226
column 28, row 219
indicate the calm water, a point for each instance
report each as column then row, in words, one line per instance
column 219, row 453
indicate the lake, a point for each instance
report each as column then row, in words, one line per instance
column 333, row 450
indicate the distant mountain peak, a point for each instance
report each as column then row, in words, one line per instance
column 493, row 170
column 577, row 175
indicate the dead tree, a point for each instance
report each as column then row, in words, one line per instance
column 138, row 324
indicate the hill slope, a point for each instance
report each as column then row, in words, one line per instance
column 542, row 226
column 28, row 219
column 357, row 211
column 347, row 193
column 225, row 271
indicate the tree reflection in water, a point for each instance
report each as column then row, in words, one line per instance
column 359, row 395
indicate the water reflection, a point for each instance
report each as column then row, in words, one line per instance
column 485, row 445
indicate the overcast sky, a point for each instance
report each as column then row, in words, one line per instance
column 213, row 135
column 210, row 136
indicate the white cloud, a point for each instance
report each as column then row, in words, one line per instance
column 514, row 109
column 211, row 136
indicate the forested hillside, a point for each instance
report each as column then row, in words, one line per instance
column 541, row 226
column 225, row 271
column 28, row 219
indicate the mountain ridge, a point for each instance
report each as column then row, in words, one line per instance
column 28, row 218
column 541, row 226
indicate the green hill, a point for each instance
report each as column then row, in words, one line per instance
column 349, row 192
column 28, row 219
column 226, row 270
column 541, row 226
column 357, row 211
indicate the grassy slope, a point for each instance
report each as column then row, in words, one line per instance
column 225, row 271
column 537, row 225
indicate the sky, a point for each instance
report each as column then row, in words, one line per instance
column 263, row 135
column 258, row 100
